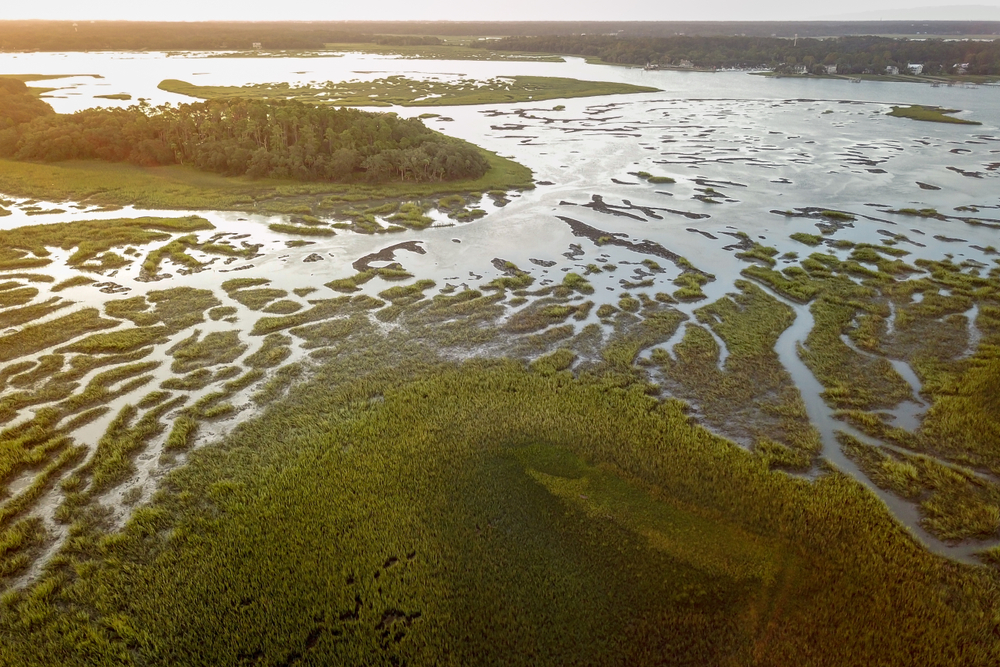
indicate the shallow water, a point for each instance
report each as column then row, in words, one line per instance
column 764, row 146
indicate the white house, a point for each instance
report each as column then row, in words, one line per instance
column 915, row 68
column 891, row 69
column 831, row 69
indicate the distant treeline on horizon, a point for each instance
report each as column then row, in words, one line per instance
column 211, row 35
column 849, row 55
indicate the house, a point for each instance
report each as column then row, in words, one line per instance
column 686, row 64
column 831, row 69
column 961, row 68
column 891, row 69
column 257, row 46
column 915, row 68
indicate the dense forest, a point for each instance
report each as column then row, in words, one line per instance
column 210, row 35
column 851, row 55
column 141, row 36
column 257, row 138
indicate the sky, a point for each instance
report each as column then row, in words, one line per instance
column 465, row 10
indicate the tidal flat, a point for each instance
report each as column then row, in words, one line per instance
column 719, row 389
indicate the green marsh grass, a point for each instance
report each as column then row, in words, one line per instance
column 690, row 284
column 282, row 379
column 37, row 337
column 75, row 281
column 651, row 537
column 402, row 91
column 15, row 317
column 115, row 342
column 221, row 312
column 182, row 433
column 282, row 307
column 17, row 297
column 91, row 238
column 233, row 284
column 930, row 114
column 256, row 299
column 177, row 187
column 752, row 397
column 272, row 352
column 196, row 379
column 215, row 348
column 300, row 230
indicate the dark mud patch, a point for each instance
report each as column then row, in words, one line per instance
column 387, row 254
column 645, row 247
column 967, row 174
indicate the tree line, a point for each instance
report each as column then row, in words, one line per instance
column 851, row 55
column 257, row 138
column 212, row 35
column 207, row 36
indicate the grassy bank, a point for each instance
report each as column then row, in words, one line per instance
column 930, row 114
column 402, row 91
column 176, row 187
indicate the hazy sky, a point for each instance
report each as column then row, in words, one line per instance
column 461, row 10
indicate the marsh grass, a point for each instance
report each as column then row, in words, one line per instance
column 930, row 114
column 451, row 524
column 576, row 282
column 541, row 314
column 410, row 214
column 182, row 434
column 182, row 307
column 221, row 312
column 75, row 281
column 216, row 348
column 37, row 337
column 760, row 253
column 272, row 352
column 15, row 317
column 322, row 309
column 330, row 331
column 256, row 299
column 16, row 297
column 300, row 230
column 177, row 187
column 954, row 503
column 196, row 379
column 791, row 284
column 282, row 379
column 233, row 284
column 690, row 283
column 116, row 342
column 283, row 307
column 99, row 390
column 90, row 238
column 400, row 90
column 48, row 365
column 752, row 397
column 112, row 460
